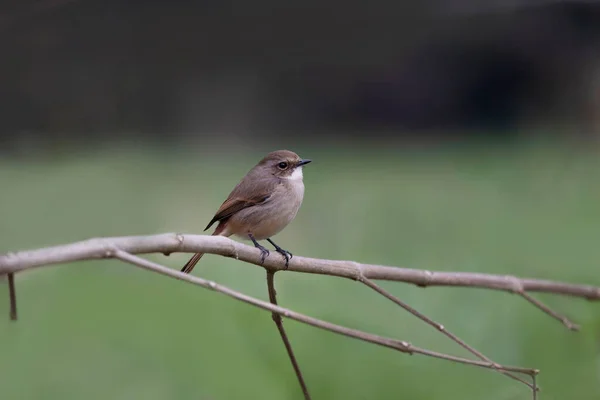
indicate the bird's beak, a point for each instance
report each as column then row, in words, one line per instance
column 303, row 162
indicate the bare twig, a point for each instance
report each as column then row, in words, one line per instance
column 171, row 242
column 277, row 319
column 12, row 294
column 399, row 345
column 439, row 327
column 566, row 322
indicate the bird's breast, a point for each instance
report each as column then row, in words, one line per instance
column 268, row 219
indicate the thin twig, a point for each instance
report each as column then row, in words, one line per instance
column 12, row 294
column 566, row 322
column 395, row 344
column 441, row 328
column 277, row 319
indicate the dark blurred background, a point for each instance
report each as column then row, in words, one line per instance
column 172, row 71
column 456, row 136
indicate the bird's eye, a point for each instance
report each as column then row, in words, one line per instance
column 282, row 165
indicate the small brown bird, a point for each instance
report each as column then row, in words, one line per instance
column 264, row 202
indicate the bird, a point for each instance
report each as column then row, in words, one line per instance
column 262, row 204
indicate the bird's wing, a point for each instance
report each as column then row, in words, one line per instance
column 250, row 192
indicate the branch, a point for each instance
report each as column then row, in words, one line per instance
column 438, row 326
column 171, row 242
column 123, row 248
column 279, row 323
column 12, row 294
column 395, row 344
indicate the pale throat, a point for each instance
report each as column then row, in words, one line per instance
column 296, row 175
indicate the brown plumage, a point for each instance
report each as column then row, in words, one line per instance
column 265, row 201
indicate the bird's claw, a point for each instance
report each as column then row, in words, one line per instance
column 264, row 253
column 286, row 254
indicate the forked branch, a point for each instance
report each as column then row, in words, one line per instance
column 124, row 248
column 440, row 328
column 399, row 345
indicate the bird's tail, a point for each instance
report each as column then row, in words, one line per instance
column 189, row 266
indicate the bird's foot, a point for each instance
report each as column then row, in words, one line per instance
column 286, row 254
column 264, row 253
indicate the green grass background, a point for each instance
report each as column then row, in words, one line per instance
column 105, row 330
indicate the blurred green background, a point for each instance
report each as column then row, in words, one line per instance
column 105, row 330
column 454, row 136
